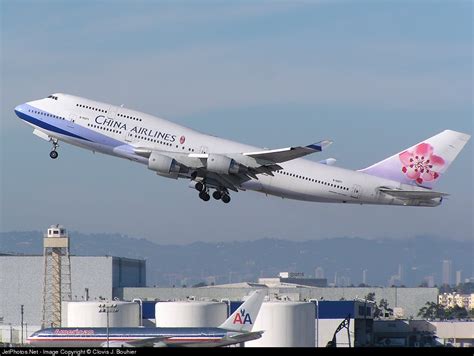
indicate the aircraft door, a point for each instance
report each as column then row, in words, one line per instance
column 71, row 119
column 112, row 112
column 356, row 191
column 128, row 136
column 203, row 149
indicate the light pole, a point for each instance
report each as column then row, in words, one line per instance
column 317, row 323
column 140, row 303
column 108, row 308
column 21, row 324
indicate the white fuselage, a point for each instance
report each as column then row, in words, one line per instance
column 117, row 131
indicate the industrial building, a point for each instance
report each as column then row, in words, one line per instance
column 286, row 323
column 408, row 300
column 92, row 277
column 294, row 278
column 455, row 333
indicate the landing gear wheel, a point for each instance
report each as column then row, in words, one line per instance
column 53, row 154
column 217, row 195
column 204, row 196
column 225, row 198
column 199, row 186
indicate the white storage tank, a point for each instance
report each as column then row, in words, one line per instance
column 286, row 324
column 93, row 314
column 190, row 314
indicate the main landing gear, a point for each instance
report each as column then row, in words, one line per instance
column 54, row 154
column 218, row 194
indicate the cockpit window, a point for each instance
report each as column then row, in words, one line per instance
column 53, row 97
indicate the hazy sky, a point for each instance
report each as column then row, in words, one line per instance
column 375, row 77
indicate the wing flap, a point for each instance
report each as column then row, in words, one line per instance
column 222, row 180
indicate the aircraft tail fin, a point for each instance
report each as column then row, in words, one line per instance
column 244, row 317
column 423, row 163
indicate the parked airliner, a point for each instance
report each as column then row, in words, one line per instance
column 235, row 330
column 216, row 165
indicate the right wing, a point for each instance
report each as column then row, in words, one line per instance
column 287, row 154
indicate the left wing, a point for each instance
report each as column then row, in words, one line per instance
column 147, row 342
column 224, row 170
column 225, row 341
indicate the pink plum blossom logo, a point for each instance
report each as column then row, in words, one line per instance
column 182, row 139
column 421, row 164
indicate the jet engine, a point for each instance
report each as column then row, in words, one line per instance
column 163, row 165
column 222, row 164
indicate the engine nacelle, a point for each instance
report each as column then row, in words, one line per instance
column 222, row 164
column 163, row 165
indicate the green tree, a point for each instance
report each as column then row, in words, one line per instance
column 429, row 311
column 456, row 313
column 370, row 297
column 433, row 311
column 381, row 308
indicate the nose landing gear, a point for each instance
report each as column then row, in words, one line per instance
column 54, row 154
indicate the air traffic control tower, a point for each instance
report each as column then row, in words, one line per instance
column 57, row 275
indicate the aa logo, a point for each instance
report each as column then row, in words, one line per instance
column 242, row 318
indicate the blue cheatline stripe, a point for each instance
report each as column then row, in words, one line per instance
column 47, row 126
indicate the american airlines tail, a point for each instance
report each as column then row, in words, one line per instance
column 244, row 317
column 424, row 163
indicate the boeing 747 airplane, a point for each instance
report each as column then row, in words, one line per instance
column 215, row 165
column 235, row 330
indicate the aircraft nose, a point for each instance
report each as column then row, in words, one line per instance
column 19, row 109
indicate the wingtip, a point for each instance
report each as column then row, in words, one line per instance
column 319, row 146
column 326, row 143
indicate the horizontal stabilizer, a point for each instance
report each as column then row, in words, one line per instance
column 412, row 194
column 238, row 338
column 287, row 154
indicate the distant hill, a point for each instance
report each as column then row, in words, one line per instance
column 236, row 261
